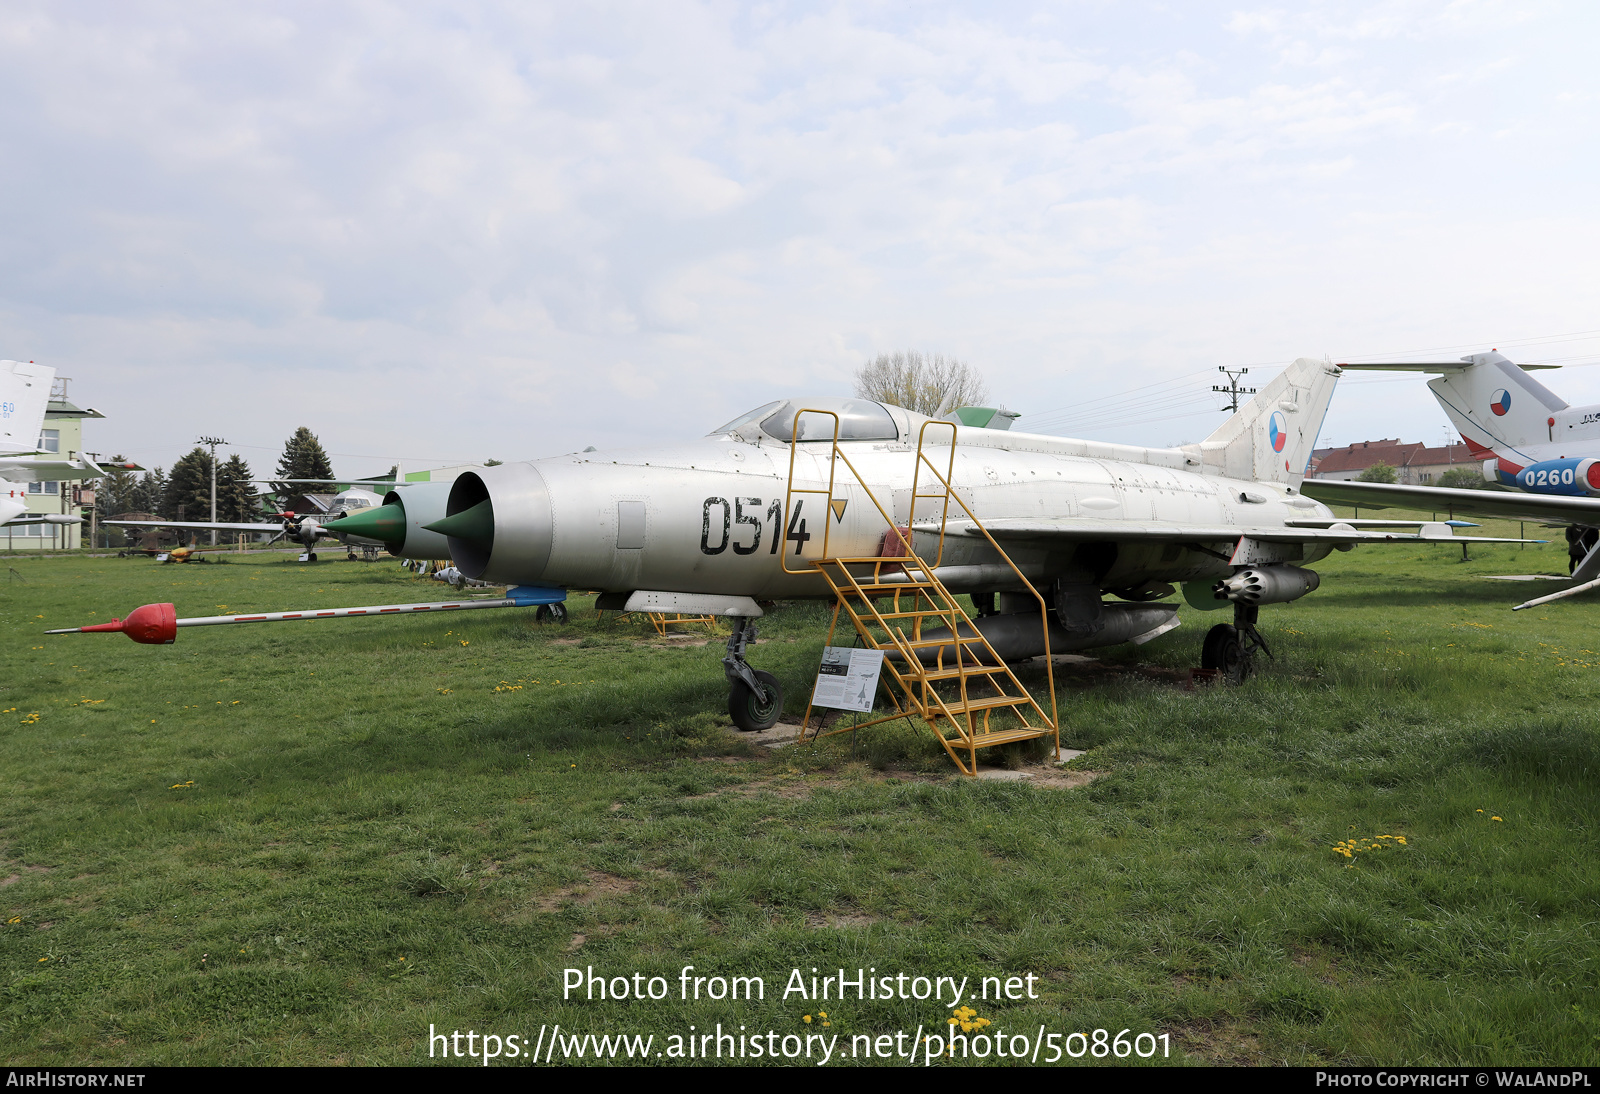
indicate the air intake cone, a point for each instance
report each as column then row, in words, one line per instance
column 384, row 523
column 475, row 525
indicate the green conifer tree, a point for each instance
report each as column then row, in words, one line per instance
column 188, row 494
column 151, row 492
column 303, row 458
column 114, row 492
column 236, row 494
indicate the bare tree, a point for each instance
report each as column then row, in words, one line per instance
column 930, row 383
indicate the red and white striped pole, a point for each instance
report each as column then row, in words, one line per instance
column 157, row 624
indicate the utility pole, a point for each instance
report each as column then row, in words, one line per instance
column 94, row 510
column 1233, row 390
column 213, row 442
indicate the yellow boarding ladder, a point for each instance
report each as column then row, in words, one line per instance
column 953, row 680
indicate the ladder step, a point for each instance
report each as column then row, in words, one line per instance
column 1005, row 737
column 965, row 670
column 930, row 643
column 989, row 703
column 885, row 587
column 945, row 616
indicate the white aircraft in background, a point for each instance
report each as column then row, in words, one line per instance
column 1545, row 452
column 1527, row 436
column 24, row 397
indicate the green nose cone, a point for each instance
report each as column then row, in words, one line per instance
column 475, row 525
column 384, row 523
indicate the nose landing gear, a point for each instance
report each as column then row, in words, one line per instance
column 551, row 613
column 754, row 698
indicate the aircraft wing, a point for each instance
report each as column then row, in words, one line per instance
column 41, row 518
column 1442, row 368
column 48, row 470
column 1505, row 504
column 221, row 526
column 1163, row 531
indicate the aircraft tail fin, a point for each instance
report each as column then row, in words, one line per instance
column 24, row 395
column 1495, row 404
column 1271, row 437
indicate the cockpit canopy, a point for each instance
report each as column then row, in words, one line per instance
column 354, row 498
column 859, row 420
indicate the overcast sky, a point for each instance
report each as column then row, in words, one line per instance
column 458, row 231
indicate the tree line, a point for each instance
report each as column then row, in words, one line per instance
column 184, row 493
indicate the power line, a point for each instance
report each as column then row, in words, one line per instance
column 1233, row 390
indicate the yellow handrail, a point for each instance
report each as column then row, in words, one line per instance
column 948, row 491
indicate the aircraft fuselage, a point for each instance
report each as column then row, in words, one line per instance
column 709, row 516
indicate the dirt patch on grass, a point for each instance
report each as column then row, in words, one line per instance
column 14, row 878
column 793, row 788
column 1087, row 672
column 1217, row 1042
column 1056, row 779
column 598, row 885
column 565, row 641
column 840, row 921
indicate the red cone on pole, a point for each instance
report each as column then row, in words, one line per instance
column 152, row 624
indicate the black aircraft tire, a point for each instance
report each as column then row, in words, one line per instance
column 747, row 710
column 311, row 556
column 1224, row 652
column 551, row 613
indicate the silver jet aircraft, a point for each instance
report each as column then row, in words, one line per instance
column 1104, row 529
column 715, row 525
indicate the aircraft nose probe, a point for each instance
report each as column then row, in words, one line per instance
column 157, row 624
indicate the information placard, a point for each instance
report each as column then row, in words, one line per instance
column 848, row 678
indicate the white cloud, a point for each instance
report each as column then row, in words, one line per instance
column 417, row 228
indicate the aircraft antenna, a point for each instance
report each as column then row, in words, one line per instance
column 213, row 442
column 1233, row 390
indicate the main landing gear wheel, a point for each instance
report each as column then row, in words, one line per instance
column 551, row 613
column 311, row 556
column 752, row 712
column 1225, row 652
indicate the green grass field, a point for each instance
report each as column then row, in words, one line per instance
column 304, row 843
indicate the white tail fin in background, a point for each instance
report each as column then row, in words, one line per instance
column 1495, row 404
column 1271, row 438
column 24, row 395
